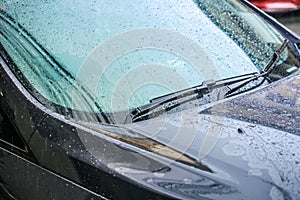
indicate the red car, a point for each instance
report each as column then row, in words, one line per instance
column 277, row 5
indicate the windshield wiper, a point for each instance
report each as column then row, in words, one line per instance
column 231, row 85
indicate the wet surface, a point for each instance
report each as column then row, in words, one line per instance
column 282, row 101
column 251, row 140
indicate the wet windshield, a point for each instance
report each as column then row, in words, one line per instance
column 103, row 56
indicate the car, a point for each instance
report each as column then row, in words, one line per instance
column 147, row 100
column 277, row 6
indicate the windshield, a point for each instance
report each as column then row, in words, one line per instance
column 109, row 57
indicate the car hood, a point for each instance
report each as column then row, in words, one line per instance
column 250, row 140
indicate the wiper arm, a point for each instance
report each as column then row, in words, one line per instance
column 276, row 57
column 268, row 68
column 231, row 84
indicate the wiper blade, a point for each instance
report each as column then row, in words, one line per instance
column 195, row 92
column 230, row 84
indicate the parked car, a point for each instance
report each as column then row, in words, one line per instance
column 275, row 6
column 147, row 100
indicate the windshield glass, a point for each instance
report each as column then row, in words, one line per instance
column 103, row 56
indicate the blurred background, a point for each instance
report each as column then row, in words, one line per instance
column 289, row 19
column 285, row 11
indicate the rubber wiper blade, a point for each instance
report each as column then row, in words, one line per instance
column 195, row 92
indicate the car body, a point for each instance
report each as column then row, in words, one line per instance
column 105, row 100
column 275, row 6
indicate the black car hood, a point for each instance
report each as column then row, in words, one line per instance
column 247, row 138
